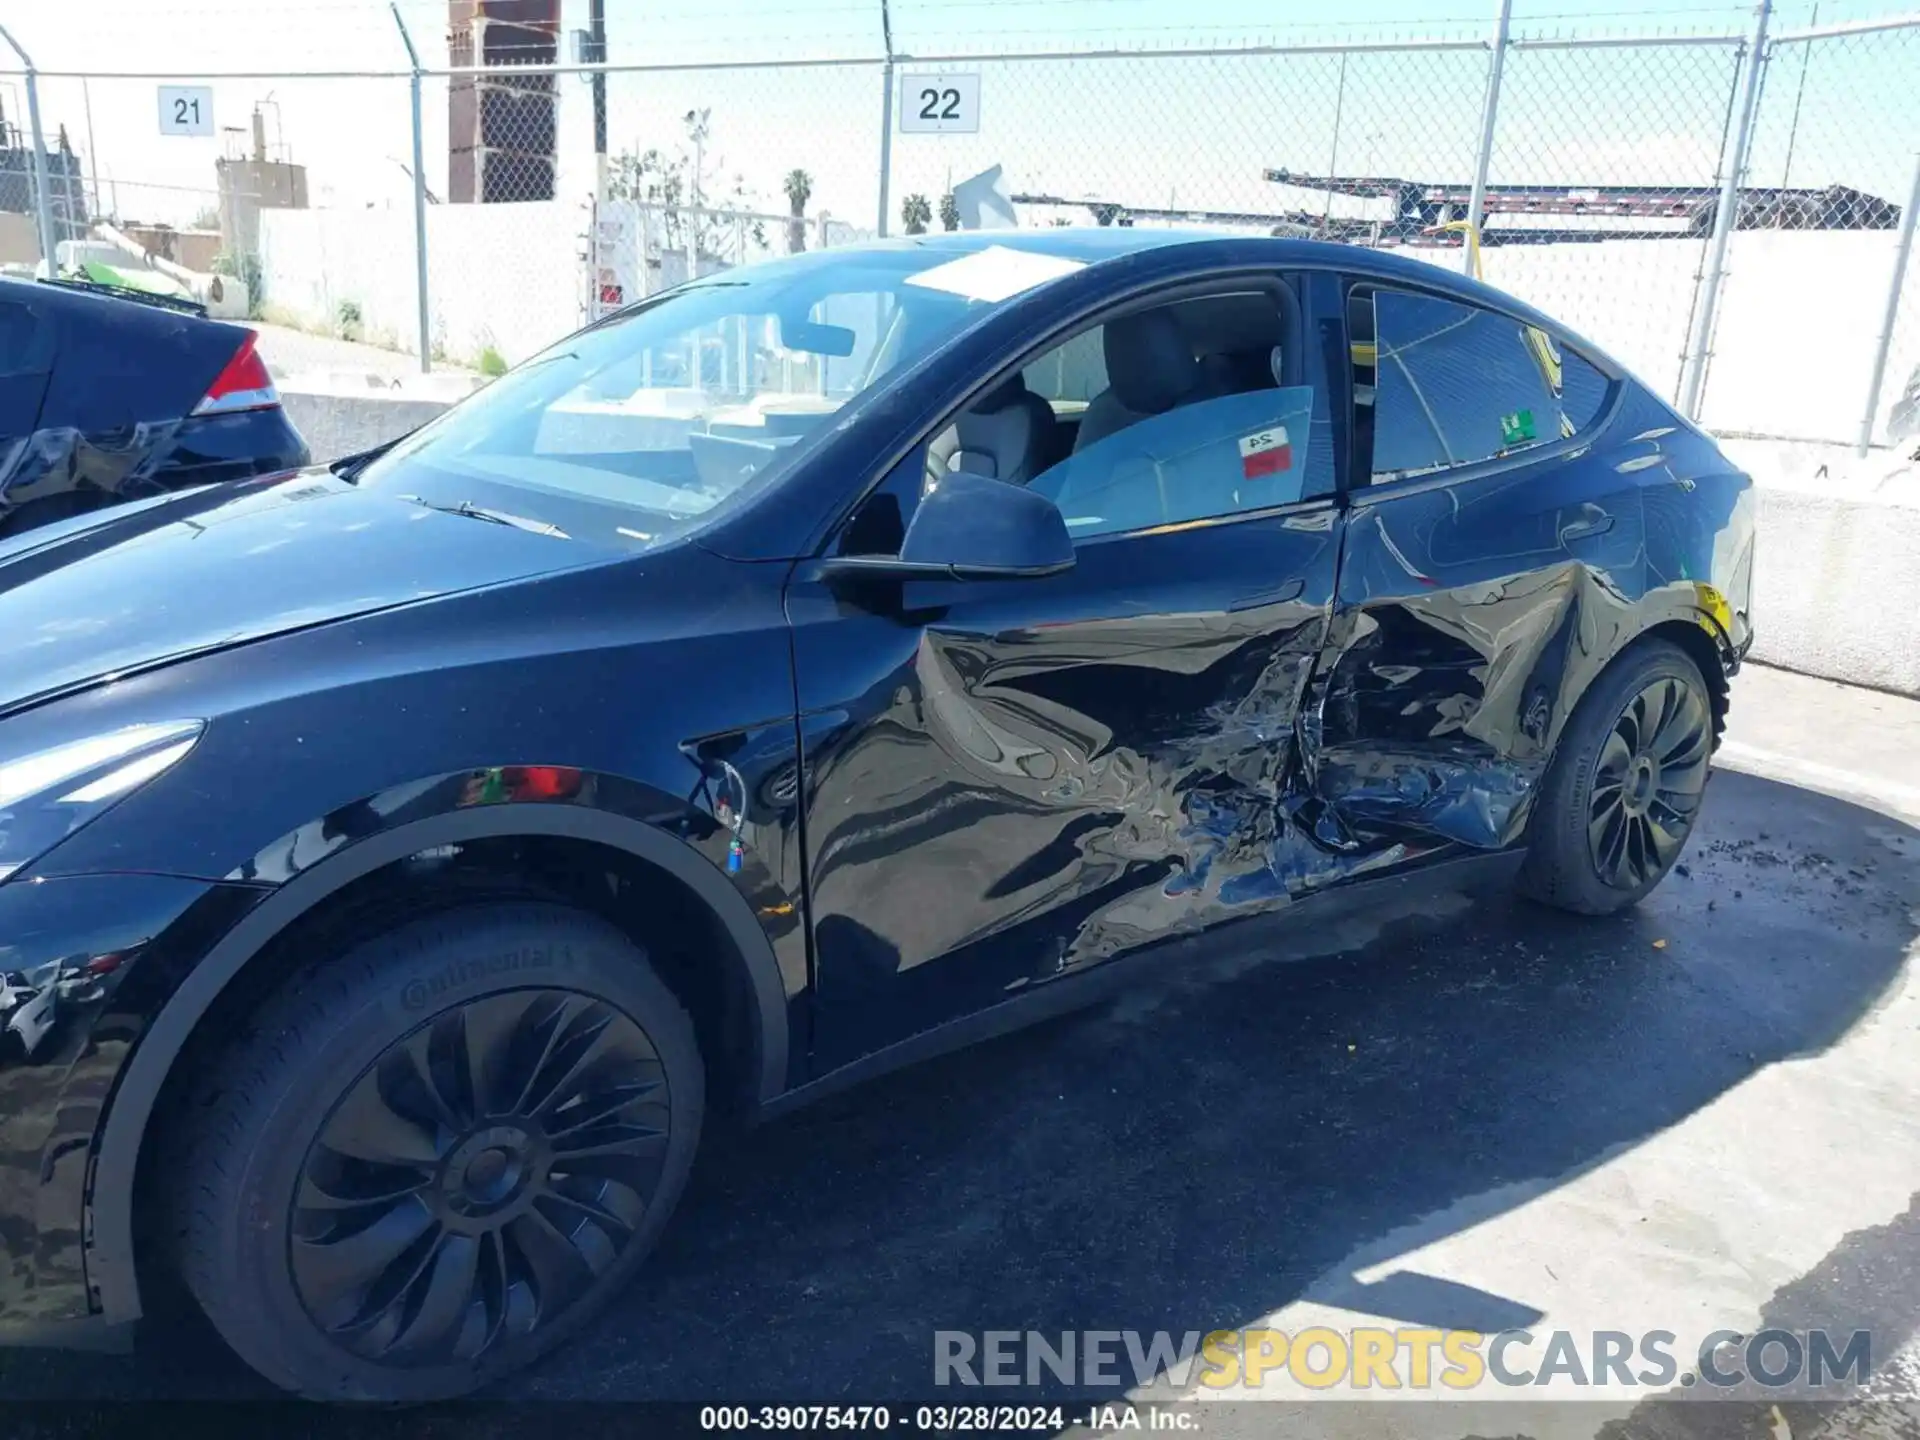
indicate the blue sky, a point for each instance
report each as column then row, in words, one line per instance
column 1188, row 133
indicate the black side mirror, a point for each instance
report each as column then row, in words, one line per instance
column 970, row 527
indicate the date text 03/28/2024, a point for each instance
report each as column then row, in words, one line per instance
column 947, row 1419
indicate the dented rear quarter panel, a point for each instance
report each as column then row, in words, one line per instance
column 1474, row 613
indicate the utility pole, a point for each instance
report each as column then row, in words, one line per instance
column 1726, row 215
column 93, row 150
column 1901, row 253
column 42, row 203
column 1333, row 158
column 597, row 55
column 1489, row 117
column 424, row 308
column 697, row 132
column 886, row 118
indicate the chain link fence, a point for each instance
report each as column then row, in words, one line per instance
column 1604, row 172
column 1829, row 177
column 1724, row 211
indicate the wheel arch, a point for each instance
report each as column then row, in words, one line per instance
column 128, row 1122
column 1703, row 641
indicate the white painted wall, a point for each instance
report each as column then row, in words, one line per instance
column 505, row 276
column 1799, row 318
column 1791, row 356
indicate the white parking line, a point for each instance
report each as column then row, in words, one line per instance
column 1883, row 794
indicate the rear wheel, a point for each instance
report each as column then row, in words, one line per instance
column 1625, row 785
column 433, row 1158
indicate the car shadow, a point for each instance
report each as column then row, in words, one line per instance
column 1211, row 1146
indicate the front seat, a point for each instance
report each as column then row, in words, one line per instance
column 1151, row 368
column 1009, row 434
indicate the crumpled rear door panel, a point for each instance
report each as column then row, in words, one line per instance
column 1469, row 618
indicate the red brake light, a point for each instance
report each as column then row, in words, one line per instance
column 541, row 782
column 243, row 385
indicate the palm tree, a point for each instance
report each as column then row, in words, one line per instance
column 799, row 188
column 949, row 212
column 916, row 214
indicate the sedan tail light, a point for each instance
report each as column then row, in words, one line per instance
column 244, row 384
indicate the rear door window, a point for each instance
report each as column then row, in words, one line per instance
column 1451, row 385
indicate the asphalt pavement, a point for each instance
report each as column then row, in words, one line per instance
column 1704, row 1112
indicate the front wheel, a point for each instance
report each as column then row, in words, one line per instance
column 1625, row 785
column 432, row 1158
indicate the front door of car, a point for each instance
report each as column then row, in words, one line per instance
column 1008, row 781
column 1494, row 544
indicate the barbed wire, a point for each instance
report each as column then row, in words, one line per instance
column 221, row 34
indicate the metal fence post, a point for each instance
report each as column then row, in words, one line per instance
column 1900, row 255
column 42, row 197
column 1726, row 215
column 1477, row 202
column 886, row 116
column 419, row 202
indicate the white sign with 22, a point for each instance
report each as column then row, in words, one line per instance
column 936, row 104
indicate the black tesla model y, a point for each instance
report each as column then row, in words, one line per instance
column 810, row 668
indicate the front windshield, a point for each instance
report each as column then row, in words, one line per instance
column 650, row 424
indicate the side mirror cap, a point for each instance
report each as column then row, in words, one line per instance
column 972, row 527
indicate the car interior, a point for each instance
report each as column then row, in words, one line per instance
column 1141, row 364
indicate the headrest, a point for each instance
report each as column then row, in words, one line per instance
column 1150, row 363
column 1013, row 388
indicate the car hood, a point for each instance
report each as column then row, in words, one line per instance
column 131, row 588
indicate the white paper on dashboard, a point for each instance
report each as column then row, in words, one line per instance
column 995, row 273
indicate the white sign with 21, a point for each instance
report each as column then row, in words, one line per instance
column 186, row 110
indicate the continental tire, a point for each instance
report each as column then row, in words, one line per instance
column 434, row 1157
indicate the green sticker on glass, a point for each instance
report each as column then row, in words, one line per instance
column 1516, row 427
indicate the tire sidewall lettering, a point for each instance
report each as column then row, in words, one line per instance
column 419, row 993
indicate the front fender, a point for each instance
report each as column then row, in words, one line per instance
column 318, row 861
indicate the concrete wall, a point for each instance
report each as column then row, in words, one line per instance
column 1834, row 589
column 337, row 424
column 506, row 277
column 1838, row 567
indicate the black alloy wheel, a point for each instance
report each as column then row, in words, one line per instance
column 1626, row 783
column 434, row 1155
column 478, row 1177
column 1647, row 783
